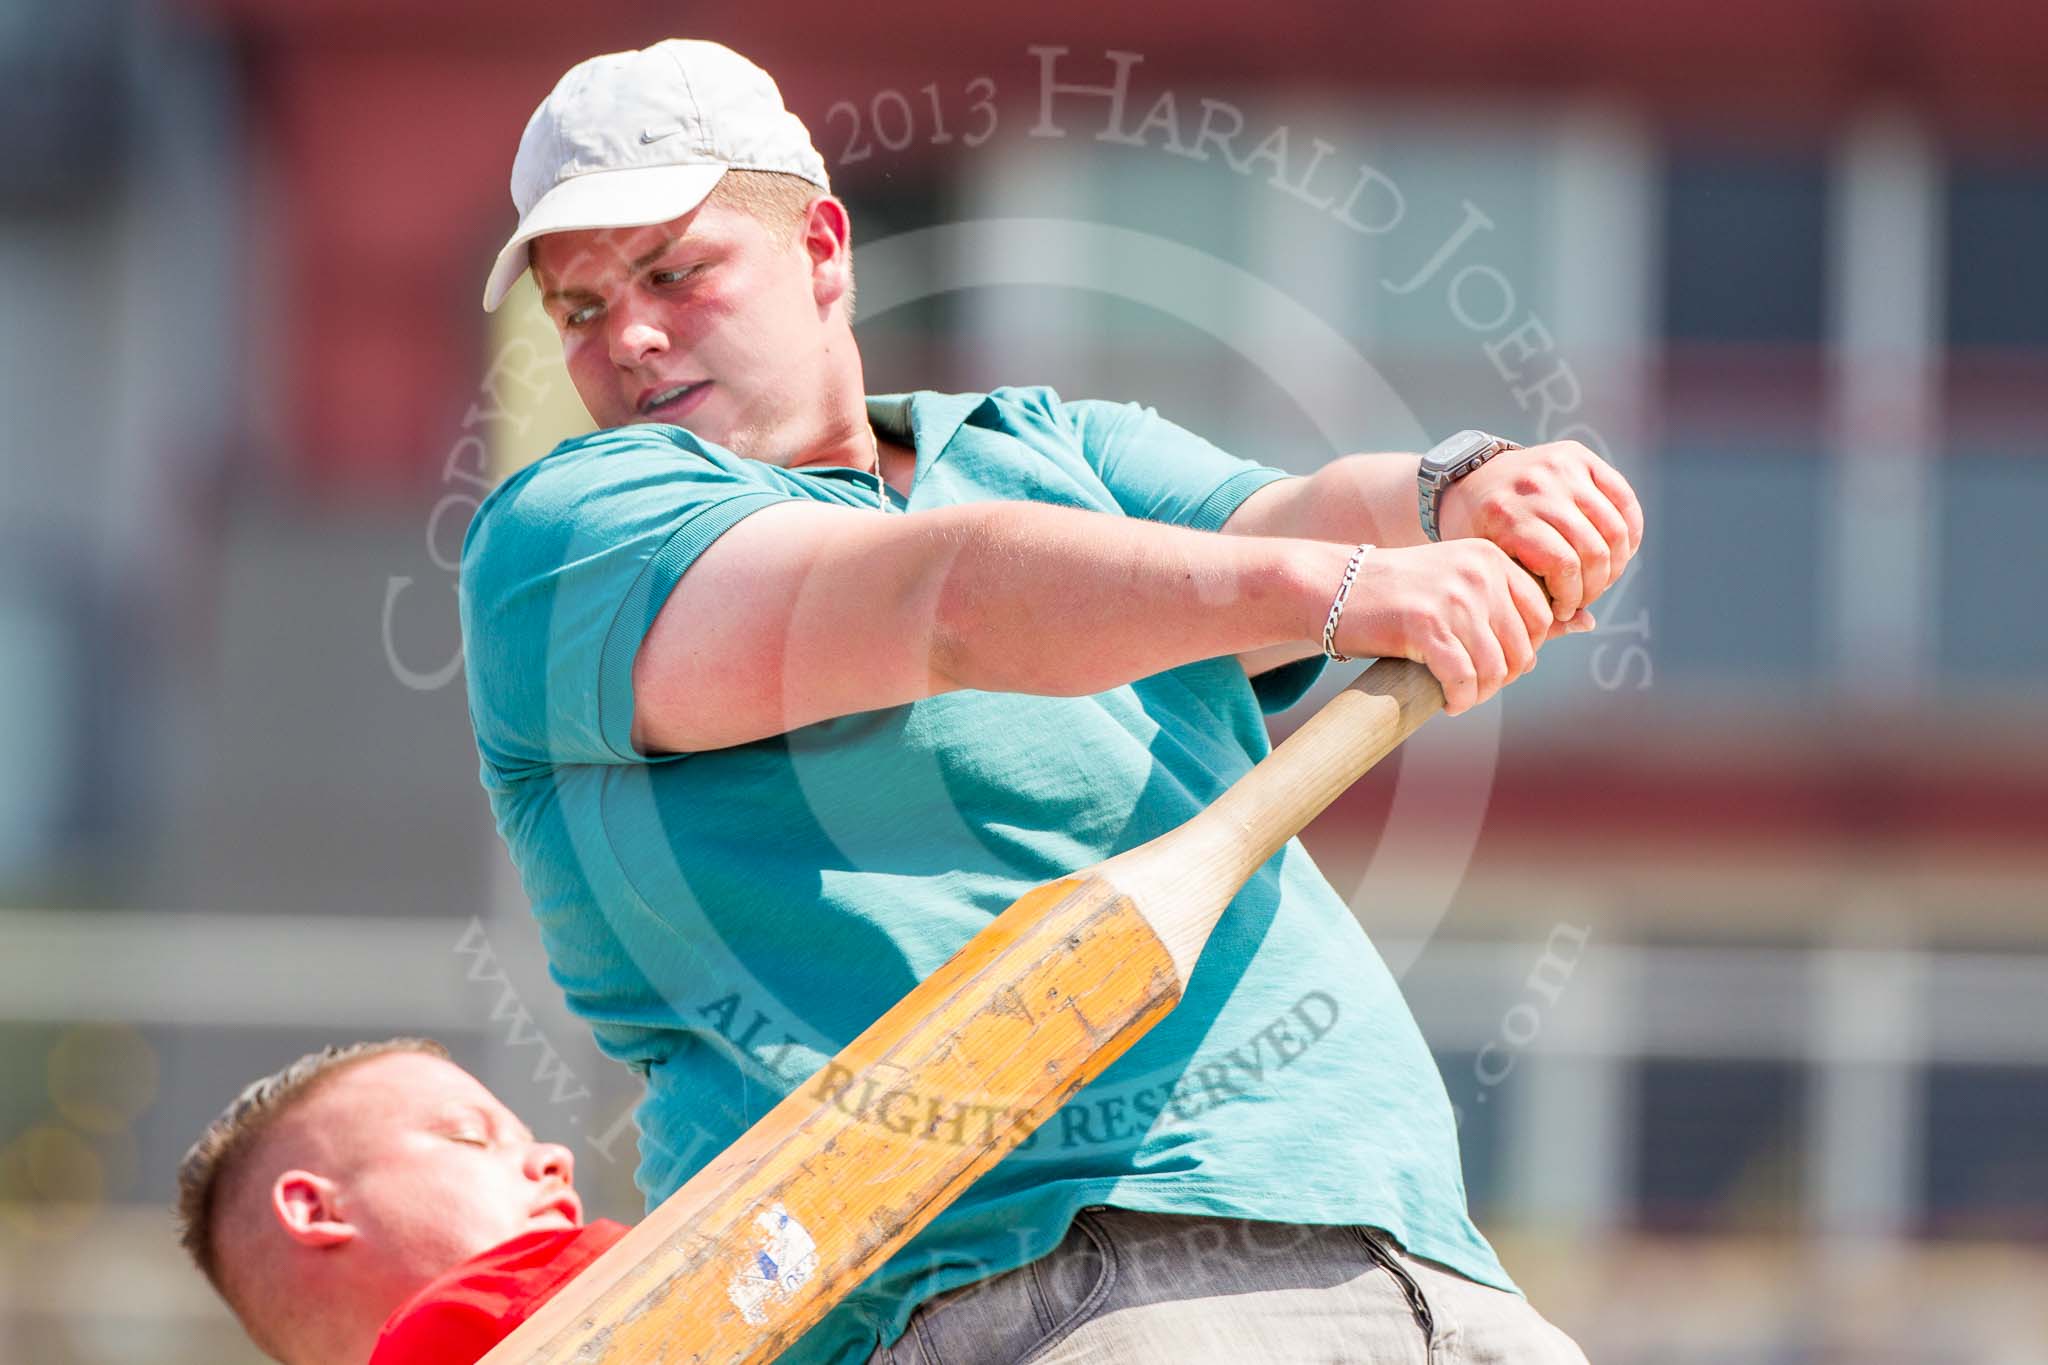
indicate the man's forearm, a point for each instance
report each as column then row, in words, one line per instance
column 1369, row 497
column 1065, row 602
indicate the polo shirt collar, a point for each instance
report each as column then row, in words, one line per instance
column 925, row 421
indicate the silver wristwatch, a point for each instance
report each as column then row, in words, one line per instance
column 1448, row 461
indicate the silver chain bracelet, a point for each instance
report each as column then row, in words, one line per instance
column 1337, row 605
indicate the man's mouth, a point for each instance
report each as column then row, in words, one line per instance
column 673, row 400
column 566, row 1204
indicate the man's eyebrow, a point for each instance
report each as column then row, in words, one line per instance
column 651, row 257
column 639, row 264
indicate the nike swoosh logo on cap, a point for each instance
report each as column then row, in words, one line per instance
column 648, row 135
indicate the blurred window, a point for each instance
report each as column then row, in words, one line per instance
column 1742, row 489
column 1504, row 171
column 66, row 101
column 1737, row 587
column 1201, row 205
column 1996, row 224
column 1490, row 185
column 1744, row 246
column 1993, row 562
column 1986, row 1151
column 1994, row 474
column 1718, row 1145
column 39, row 683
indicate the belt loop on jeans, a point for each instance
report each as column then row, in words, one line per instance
column 1388, row 1254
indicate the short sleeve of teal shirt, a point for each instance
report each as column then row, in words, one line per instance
column 1160, row 471
column 1164, row 472
column 564, row 569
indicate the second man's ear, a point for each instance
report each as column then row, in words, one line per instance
column 306, row 1207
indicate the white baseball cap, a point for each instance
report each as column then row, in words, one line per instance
column 633, row 138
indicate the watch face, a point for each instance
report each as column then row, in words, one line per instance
column 1452, row 453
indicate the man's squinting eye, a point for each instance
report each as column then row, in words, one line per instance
column 667, row 275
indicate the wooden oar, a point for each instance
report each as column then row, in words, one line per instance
column 762, row 1242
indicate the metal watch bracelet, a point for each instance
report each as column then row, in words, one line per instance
column 1448, row 461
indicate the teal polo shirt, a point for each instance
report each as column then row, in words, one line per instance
column 727, row 920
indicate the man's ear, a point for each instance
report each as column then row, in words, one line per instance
column 828, row 234
column 306, row 1207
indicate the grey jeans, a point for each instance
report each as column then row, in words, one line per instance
column 1130, row 1288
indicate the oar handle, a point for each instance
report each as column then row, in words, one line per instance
column 1334, row 748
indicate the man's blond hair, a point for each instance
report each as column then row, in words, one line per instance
column 214, row 1161
column 777, row 199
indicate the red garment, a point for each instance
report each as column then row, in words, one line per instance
column 458, row 1318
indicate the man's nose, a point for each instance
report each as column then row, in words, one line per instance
column 551, row 1161
column 635, row 338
